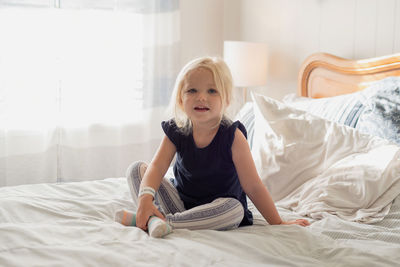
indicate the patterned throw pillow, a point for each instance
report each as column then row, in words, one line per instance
column 381, row 113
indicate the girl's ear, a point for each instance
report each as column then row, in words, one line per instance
column 180, row 102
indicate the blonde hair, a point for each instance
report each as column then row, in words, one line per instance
column 223, row 82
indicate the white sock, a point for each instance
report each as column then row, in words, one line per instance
column 158, row 227
column 125, row 217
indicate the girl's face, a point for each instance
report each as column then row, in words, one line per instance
column 200, row 99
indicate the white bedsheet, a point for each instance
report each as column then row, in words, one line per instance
column 72, row 225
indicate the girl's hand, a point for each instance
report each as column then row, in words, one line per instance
column 301, row 222
column 146, row 208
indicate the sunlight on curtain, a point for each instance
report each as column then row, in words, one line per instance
column 83, row 91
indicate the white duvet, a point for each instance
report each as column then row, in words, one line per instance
column 316, row 167
column 72, row 225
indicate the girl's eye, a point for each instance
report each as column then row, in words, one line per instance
column 212, row 91
column 191, row 91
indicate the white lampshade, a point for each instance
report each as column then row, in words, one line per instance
column 247, row 62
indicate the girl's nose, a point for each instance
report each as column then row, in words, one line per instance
column 202, row 97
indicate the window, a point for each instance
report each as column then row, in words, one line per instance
column 83, row 86
column 69, row 66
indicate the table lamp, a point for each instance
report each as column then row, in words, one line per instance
column 247, row 62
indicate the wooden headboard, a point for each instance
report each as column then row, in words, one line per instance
column 325, row 75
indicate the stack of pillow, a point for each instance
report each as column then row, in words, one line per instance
column 317, row 164
column 375, row 110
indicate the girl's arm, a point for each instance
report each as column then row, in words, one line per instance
column 252, row 184
column 153, row 176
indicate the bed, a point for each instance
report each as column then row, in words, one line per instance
column 326, row 75
column 315, row 166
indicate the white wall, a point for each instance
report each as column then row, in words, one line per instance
column 201, row 28
column 203, row 31
column 294, row 29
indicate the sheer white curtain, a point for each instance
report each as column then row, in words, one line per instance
column 83, row 86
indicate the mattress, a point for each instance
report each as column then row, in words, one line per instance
column 72, row 224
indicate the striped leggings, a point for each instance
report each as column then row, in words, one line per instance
column 220, row 214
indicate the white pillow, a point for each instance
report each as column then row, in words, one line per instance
column 314, row 166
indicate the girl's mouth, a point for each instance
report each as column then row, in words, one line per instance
column 201, row 108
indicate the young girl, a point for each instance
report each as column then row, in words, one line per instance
column 214, row 169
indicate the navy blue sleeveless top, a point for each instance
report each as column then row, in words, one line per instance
column 204, row 174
